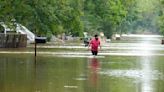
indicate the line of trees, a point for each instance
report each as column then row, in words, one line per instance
column 161, row 17
column 48, row 17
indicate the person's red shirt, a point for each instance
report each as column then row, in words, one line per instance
column 94, row 44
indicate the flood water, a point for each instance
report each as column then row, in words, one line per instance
column 135, row 64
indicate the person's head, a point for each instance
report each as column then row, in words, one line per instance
column 96, row 37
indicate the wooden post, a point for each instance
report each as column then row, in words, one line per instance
column 35, row 48
column 13, row 40
column 162, row 41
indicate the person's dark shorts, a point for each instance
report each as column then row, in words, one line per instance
column 94, row 52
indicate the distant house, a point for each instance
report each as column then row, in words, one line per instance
column 19, row 29
column 10, row 38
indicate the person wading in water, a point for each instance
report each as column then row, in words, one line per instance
column 94, row 44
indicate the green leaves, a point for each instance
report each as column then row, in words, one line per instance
column 76, row 16
column 104, row 15
column 161, row 17
column 44, row 15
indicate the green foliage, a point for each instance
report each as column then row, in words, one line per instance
column 142, row 16
column 161, row 18
column 47, row 17
column 104, row 15
column 44, row 16
column 161, row 24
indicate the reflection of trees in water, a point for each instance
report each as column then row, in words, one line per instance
column 16, row 74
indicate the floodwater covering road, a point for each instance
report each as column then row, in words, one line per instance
column 134, row 64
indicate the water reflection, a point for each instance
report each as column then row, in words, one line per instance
column 144, row 77
column 16, row 74
column 79, row 72
column 147, row 81
column 94, row 66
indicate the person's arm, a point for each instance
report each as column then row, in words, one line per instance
column 100, row 45
column 89, row 45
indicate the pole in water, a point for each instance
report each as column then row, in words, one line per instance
column 35, row 48
column 35, row 43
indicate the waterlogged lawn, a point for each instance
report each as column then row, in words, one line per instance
column 115, row 72
column 121, row 62
column 49, row 74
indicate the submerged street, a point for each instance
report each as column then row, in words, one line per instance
column 133, row 64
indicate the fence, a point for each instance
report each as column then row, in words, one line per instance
column 13, row 40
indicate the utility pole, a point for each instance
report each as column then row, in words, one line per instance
column 35, row 43
column 35, row 16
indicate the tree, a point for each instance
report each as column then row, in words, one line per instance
column 44, row 16
column 161, row 17
column 104, row 15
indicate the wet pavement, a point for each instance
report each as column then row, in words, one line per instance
column 134, row 64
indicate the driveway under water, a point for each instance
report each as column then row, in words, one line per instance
column 134, row 64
